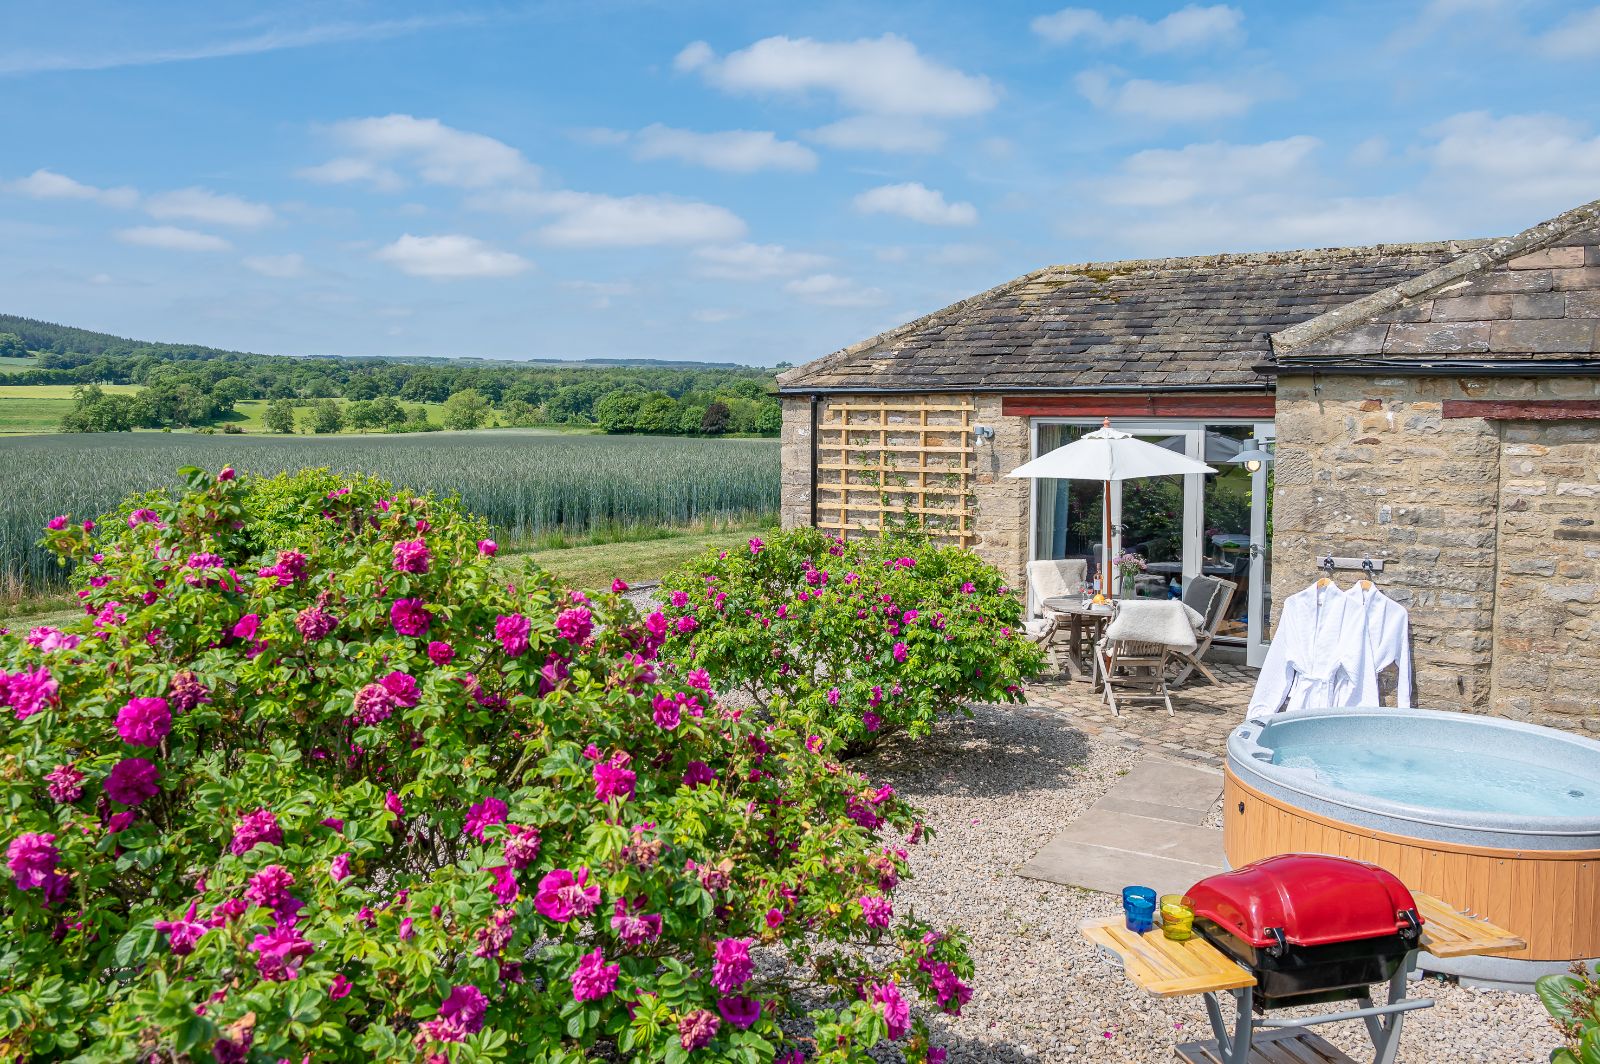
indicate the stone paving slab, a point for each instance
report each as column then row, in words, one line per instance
column 1108, row 871
column 1145, row 830
column 1164, row 785
column 1145, row 835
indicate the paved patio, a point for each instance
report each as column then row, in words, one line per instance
column 1198, row 731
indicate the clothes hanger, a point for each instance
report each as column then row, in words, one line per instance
column 1327, row 580
column 1365, row 583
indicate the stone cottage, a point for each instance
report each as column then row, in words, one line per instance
column 1435, row 406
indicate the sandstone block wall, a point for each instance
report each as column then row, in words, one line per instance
column 1491, row 531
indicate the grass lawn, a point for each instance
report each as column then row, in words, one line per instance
column 593, row 567
column 40, row 407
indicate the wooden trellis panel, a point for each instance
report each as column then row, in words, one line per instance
column 879, row 459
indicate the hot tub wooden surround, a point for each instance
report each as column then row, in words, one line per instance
column 1551, row 898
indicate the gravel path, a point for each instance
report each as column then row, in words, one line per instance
column 995, row 789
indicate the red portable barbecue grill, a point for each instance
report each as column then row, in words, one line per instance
column 1312, row 929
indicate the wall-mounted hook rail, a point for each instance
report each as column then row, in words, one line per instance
column 1332, row 561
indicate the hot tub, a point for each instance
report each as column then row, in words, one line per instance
column 1499, row 817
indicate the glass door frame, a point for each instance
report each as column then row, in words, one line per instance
column 1193, row 430
column 1255, row 646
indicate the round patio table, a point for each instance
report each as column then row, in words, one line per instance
column 1082, row 626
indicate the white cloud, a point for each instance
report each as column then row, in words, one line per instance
column 695, row 55
column 1577, row 37
column 828, row 290
column 639, row 221
column 290, row 265
column 587, row 219
column 47, row 184
column 883, row 75
column 755, row 262
column 440, row 154
column 172, row 238
column 917, row 202
column 1162, row 101
column 31, row 61
column 1187, row 28
column 347, row 170
column 739, row 151
column 1162, row 177
column 878, row 133
column 1541, row 159
column 713, row 315
column 449, row 256
column 208, row 208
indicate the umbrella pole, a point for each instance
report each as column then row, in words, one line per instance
column 1107, row 585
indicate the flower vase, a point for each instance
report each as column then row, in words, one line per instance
column 1129, row 583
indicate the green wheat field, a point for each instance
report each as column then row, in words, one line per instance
column 527, row 483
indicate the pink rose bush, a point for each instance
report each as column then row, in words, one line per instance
column 858, row 640
column 373, row 822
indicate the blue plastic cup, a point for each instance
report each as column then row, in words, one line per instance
column 1139, row 909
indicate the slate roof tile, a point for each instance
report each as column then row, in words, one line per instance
column 1170, row 323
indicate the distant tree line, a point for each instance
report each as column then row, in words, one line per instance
column 187, row 385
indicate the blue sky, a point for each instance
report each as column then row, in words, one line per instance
column 743, row 182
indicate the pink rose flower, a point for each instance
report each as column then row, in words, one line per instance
column 742, row 1012
column 441, row 653
column 144, row 720
column 732, row 967
column 411, row 556
column 594, row 978
column 132, row 780
column 32, row 858
column 253, row 830
column 563, row 895
column 410, row 617
column 512, row 632
column 613, row 779
column 482, row 815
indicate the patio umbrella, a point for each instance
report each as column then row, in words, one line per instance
column 1106, row 455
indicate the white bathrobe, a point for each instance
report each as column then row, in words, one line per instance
column 1318, row 657
column 1388, row 627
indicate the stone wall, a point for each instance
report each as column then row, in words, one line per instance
column 1547, row 604
column 1485, row 525
column 999, row 505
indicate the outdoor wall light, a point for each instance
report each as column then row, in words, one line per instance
column 983, row 432
column 1253, row 457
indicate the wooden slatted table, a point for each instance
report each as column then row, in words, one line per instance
column 1448, row 932
column 1164, row 968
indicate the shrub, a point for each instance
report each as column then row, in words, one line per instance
column 1573, row 1002
column 858, row 639
column 354, row 796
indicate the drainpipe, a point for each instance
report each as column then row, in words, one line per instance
column 815, row 398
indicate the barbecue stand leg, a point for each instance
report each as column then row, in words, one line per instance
column 1234, row 1049
column 1386, row 1032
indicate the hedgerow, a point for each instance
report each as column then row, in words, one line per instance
column 315, row 779
column 856, row 640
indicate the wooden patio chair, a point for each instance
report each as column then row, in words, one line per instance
column 1130, row 670
column 1051, row 579
column 1210, row 598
